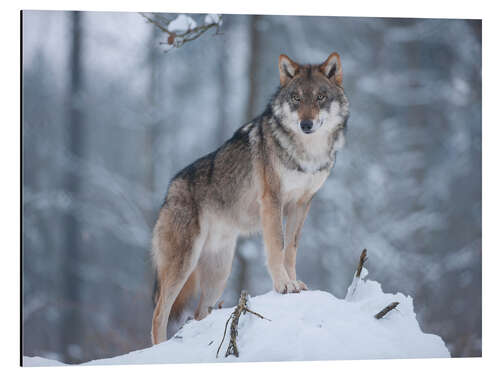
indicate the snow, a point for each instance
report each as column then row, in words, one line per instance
column 311, row 325
column 351, row 291
column 39, row 361
column 212, row 18
column 181, row 24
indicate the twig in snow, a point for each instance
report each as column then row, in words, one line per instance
column 253, row 312
column 352, row 288
column 224, row 335
column 235, row 315
column 362, row 259
column 385, row 310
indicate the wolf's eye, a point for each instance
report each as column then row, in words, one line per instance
column 295, row 98
column 320, row 98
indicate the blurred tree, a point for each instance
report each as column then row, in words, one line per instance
column 153, row 127
column 253, row 68
column 250, row 113
column 222, row 96
column 73, row 324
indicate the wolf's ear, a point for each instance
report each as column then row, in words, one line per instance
column 288, row 69
column 332, row 68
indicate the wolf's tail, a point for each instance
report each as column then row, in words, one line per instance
column 154, row 295
column 187, row 291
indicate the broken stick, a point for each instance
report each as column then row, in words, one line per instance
column 354, row 284
column 362, row 260
column 232, row 347
column 385, row 310
column 235, row 315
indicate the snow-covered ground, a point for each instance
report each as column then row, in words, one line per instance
column 311, row 325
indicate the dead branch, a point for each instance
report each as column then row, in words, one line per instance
column 241, row 308
column 232, row 347
column 352, row 288
column 224, row 335
column 253, row 312
column 385, row 310
column 178, row 40
column 362, row 259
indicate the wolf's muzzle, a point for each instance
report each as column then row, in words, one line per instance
column 306, row 126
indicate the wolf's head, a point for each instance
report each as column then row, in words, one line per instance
column 311, row 98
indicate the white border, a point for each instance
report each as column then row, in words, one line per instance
column 10, row 168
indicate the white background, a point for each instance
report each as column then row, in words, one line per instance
column 10, row 173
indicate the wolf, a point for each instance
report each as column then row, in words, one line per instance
column 260, row 180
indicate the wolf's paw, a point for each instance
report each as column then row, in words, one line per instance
column 287, row 286
column 201, row 313
column 302, row 285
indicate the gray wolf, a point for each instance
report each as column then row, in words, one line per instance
column 267, row 173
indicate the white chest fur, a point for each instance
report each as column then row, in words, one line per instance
column 316, row 151
column 295, row 184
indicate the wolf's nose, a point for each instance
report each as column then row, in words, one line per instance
column 306, row 126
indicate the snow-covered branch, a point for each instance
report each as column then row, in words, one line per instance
column 183, row 28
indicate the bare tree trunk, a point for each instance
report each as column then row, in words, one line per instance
column 253, row 69
column 254, row 66
column 153, row 130
column 222, row 126
column 72, row 324
column 152, row 137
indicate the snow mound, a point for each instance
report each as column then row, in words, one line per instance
column 39, row 361
column 212, row 18
column 311, row 325
column 181, row 24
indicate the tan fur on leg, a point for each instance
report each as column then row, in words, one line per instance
column 296, row 215
column 187, row 291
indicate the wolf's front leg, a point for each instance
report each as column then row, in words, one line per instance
column 272, row 229
column 296, row 215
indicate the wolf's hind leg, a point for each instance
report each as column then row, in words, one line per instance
column 176, row 254
column 172, row 279
column 214, row 269
column 168, row 290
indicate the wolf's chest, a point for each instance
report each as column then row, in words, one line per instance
column 295, row 184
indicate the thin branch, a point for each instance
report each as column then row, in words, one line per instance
column 385, row 310
column 362, row 259
column 235, row 315
column 178, row 40
column 223, row 336
column 354, row 284
column 157, row 24
column 232, row 347
column 257, row 314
